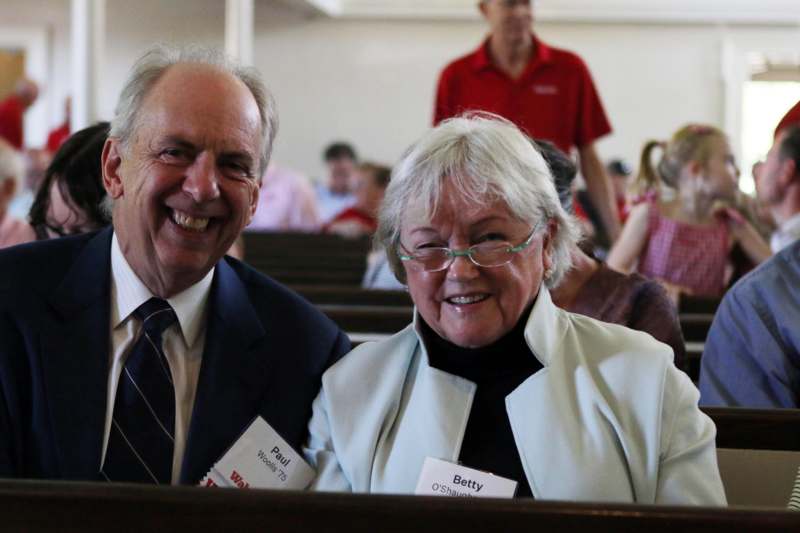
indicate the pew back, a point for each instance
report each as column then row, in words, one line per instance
column 58, row 506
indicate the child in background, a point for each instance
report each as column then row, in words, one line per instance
column 370, row 182
column 685, row 240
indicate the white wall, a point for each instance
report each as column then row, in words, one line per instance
column 373, row 81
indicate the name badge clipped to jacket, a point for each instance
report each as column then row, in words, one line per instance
column 260, row 459
column 440, row 478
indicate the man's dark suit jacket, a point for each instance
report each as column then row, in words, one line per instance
column 265, row 351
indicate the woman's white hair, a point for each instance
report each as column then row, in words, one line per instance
column 154, row 63
column 486, row 159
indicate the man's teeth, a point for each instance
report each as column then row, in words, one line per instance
column 187, row 222
column 461, row 300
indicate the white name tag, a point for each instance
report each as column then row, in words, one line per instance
column 260, row 459
column 440, row 478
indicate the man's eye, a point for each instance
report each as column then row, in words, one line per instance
column 174, row 154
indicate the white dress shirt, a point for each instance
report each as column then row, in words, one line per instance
column 183, row 343
column 786, row 234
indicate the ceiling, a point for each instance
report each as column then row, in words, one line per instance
column 784, row 12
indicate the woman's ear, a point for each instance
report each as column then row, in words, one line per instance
column 548, row 238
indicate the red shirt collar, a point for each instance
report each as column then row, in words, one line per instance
column 541, row 55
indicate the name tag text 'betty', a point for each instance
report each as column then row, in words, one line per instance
column 440, row 478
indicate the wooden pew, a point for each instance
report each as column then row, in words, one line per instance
column 307, row 258
column 696, row 304
column 756, row 429
column 341, row 295
column 37, row 507
column 369, row 318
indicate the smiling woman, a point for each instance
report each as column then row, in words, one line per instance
column 491, row 374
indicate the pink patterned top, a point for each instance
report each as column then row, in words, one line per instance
column 686, row 255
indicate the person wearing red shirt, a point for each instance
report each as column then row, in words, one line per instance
column 12, row 108
column 546, row 91
column 792, row 117
column 361, row 218
column 57, row 136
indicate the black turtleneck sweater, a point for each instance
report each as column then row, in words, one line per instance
column 497, row 369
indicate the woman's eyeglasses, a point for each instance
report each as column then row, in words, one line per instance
column 485, row 254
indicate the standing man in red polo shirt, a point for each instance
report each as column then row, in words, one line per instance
column 545, row 91
column 13, row 107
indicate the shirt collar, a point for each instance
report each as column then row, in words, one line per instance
column 541, row 55
column 128, row 293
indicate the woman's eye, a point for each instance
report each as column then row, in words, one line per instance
column 491, row 237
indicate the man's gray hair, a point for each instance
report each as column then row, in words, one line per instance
column 149, row 68
column 486, row 159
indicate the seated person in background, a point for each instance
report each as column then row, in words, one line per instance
column 752, row 353
column 778, row 187
column 60, row 134
column 335, row 194
column 490, row 373
column 36, row 161
column 686, row 241
column 12, row 230
column 379, row 275
column 592, row 289
column 69, row 199
column 620, row 172
column 369, row 185
column 287, row 202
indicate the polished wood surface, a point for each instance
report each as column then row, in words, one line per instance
column 756, row 429
column 59, row 506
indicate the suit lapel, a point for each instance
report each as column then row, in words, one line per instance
column 75, row 345
column 232, row 376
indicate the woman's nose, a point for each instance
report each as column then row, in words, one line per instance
column 462, row 268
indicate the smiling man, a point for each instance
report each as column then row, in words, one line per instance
column 545, row 91
column 141, row 353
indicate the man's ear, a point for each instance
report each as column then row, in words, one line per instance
column 111, row 161
column 255, row 192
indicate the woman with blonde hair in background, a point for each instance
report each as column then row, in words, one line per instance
column 683, row 233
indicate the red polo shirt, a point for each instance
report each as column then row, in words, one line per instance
column 553, row 99
column 11, row 111
column 57, row 137
column 791, row 118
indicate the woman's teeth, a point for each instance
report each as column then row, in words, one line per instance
column 462, row 300
column 188, row 222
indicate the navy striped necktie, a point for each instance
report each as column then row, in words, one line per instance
column 142, row 436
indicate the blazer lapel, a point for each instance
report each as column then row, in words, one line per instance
column 232, row 376
column 75, row 344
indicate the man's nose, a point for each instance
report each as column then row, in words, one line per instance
column 202, row 179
